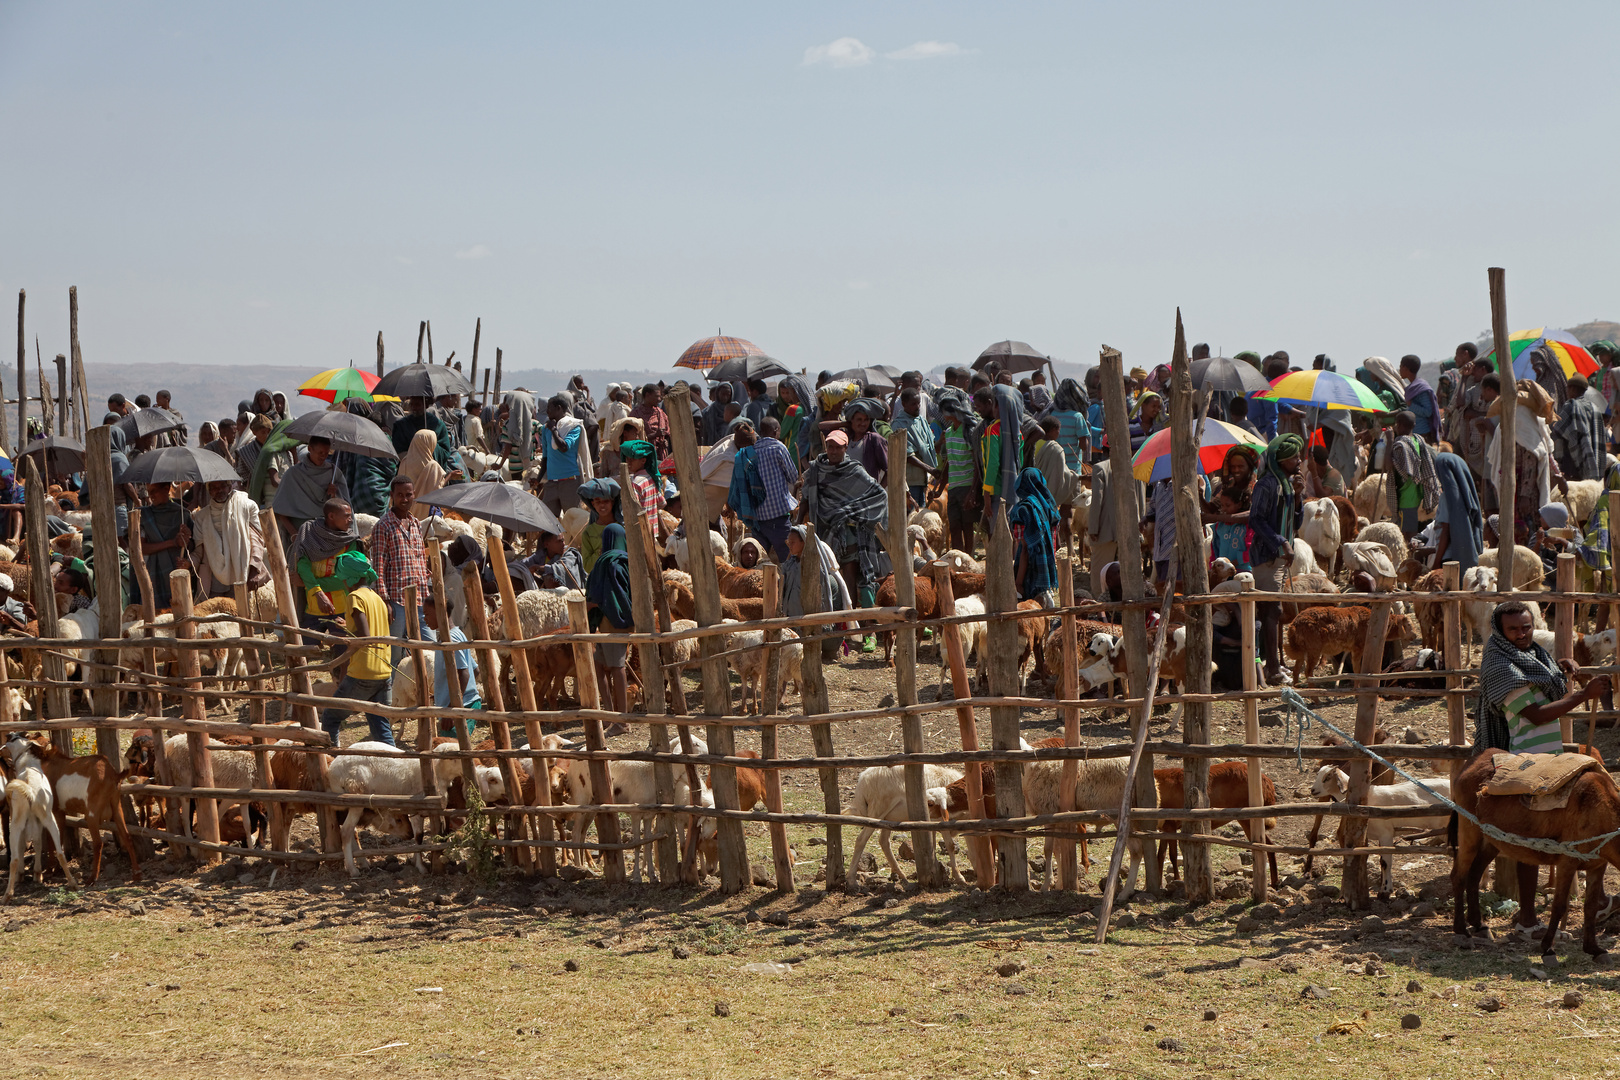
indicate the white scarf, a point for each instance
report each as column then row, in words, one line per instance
column 582, row 449
column 224, row 531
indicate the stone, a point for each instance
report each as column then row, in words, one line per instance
column 573, row 873
column 777, row 918
column 869, row 863
column 1009, row 969
column 1211, row 1014
column 905, row 851
column 1238, row 908
column 1314, row 993
column 1574, row 999
column 1232, row 890
column 1125, row 920
column 1491, row 1004
column 1169, row 1045
column 793, row 939
column 722, row 1008
column 1266, row 912
column 1016, row 989
column 1372, row 924
column 681, row 952
column 570, row 965
column 1248, row 924
column 300, row 945
column 1411, row 1022
column 1413, row 986
column 1411, row 737
column 1423, row 910
column 137, row 908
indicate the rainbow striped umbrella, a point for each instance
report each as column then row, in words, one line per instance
column 1152, row 461
column 708, row 353
column 340, row 384
column 1321, row 390
column 1561, row 343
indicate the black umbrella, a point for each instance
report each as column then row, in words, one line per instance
column 507, row 506
column 148, row 421
column 62, row 455
column 173, row 464
column 1013, row 356
column 754, row 366
column 346, row 431
column 880, row 376
column 1226, row 374
column 422, row 380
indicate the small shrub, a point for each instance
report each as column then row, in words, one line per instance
column 716, row 937
column 473, row 843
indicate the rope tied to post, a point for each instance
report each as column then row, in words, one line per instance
column 1295, row 709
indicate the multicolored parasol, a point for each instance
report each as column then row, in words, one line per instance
column 708, row 353
column 340, row 384
column 1321, row 390
column 1152, row 461
column 1561, row 343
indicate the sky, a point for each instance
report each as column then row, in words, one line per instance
column 842, row 184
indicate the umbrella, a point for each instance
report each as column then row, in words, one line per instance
column 1323, row 390
column 708, row 353
column 1152, row 461
column 880, row 376
column 1572, row 355
column 1225, row 374
column 173, row 464
column 346, row 431
column 507, row 506
column 148, row 421
column 751, row 366
column 340, row 384
column 1013, row 356
column 63, row 455
column 421, row 380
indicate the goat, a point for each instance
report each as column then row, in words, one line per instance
column 1099, row 785
column 393, row 775
column 87, row 787
column 880, row 792
column 1319, row 526
column 1324, row 632
column 29, row 803
column 1228, row 789
column 1380, row 774
column 1333, row 783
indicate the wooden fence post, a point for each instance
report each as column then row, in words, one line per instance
column 1251, row 734
column 81, row 389
column 1003, row 641
column 109, row 582
column 153, row 693
column 497, row 397
column 607, row 824
column 478, row 333
column 63, row 394
column 379, row 354
column 424, row 693
column 814, row 693
column 1128, row 532
column 261, row 756
column 421, row 335
column 781, row 854
column 734, row 872
column 1505, row 476
column 1456, row 707
column 1354, row 881
column 22, row 368
column 930, row 875
column 495, row 701
column 546, row 856
column 1064, row 850
column 55, row 699
column 22, row 358
column 202, row 765
column 1564, row 628
column 441, row 618
column 978, row 844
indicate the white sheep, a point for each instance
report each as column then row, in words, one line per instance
column 1387, row 533
column 1099, row 785
column 233, row 767
column 1581, row 499
column 972, row 634
column 30, row 803
column 1332, row 782
column 933, row 529
column 1304, row 559
column 634, row 783
column 677, row 547
column 961, row 562
column 1319, row 527
column 917, row 541
column 750, row 665
column 880, row 792
column 392, row 775
column 1529, row 575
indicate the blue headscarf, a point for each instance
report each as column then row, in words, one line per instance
column 602, row 488
column 608, row 587
column 1038, row 515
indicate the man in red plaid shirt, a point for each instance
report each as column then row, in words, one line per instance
column 399, row 556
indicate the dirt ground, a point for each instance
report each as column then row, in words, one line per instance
column 236, row 971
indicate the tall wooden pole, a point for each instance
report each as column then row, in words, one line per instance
column 978, row 844
column 421, row 336
column 98, row 477
column 1191, row 555
column 191, row 707
column 428, row 325
column 1003, row 641
column 1564, row 628
column 64, row 395
column 1127, row 531
column 39, row 567
column 22, row 374
column 734, row 873
column 495, row 700
column 22, row 356
column 929, row 873
column 47, row 405
column 1068, row 866
column 478, row 332
column 81, row 389
column 497, row 396
column 781, row 854
column 379, row 354
column 1507, row 447
column 607, row 824
column 547, row 856
column 814, row 692
column 1251, row 735
column 1451, row 640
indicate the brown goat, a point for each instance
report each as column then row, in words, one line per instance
column 1318, row 633
column 1228, row 789
column 750, row 783
column 87, row 787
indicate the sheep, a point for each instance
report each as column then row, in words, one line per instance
column 389, row 775
column 1099, row 785
column 1333, row 783
column 961, row 562
column 972, row 634
column 1371, row 499
column 1529, row 575
column 634, row 783
column 678, row 548
column 232, row 768
column 880, row 792
column 1370, row 557
column 364, row 524
column 1581, row 498
column 29, row 804
column 750, row 665
column 917, row 544
column 1228, row 787
column 1319, row 526
column 933, row 529
column 1389, row 534
column 1320, row 633
column 737, row 582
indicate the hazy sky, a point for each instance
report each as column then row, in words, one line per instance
column 841, row 183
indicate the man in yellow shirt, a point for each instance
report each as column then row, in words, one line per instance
column 369, row 675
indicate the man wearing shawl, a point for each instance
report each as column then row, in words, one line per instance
column 834, row 593
column 866, row 444
column 1534, row 469
column 1413, row 484
column 1033, row 522
column 654, row 421
column 1459, row 526
column 369, row 674
column 1273, row 512
column 585, row 412
column 1001, row 446
column 801, row 419
column 1069, row 408
column 921, row 461
column 777, row 474
column 713, row 428
column 1467, row 407
column 418, row 419
column 308, row 485
column 1579, row 430
column 848, row 508
column 165, row 536
column 517, row 436
column 607, row 594
column 1421, row 401
column 313, row 554
column 367, row 477
column 228, row 541
column 1522, row 692
column 563, row 442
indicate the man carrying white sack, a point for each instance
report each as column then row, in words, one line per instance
column 228, row 541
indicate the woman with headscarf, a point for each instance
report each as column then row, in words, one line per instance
column 367, row 477
column 419, row 466
column 607, row 594
column 1579, row 435
column 1534, row 469
column 645, row 478
column 1522, row 692
column 1069, row 408
column 1034, row 522
column 848, row 508
column 1146, row 418
column 602, row 497
column 264, row 404
column 517, row 437
column 165, row 537
column 1273, row 512
column 1459, row 526
column 801, row 419
column 866, row 444
column 1001, row 446
column 834, row 593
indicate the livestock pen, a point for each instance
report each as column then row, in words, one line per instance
column 281, row 658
